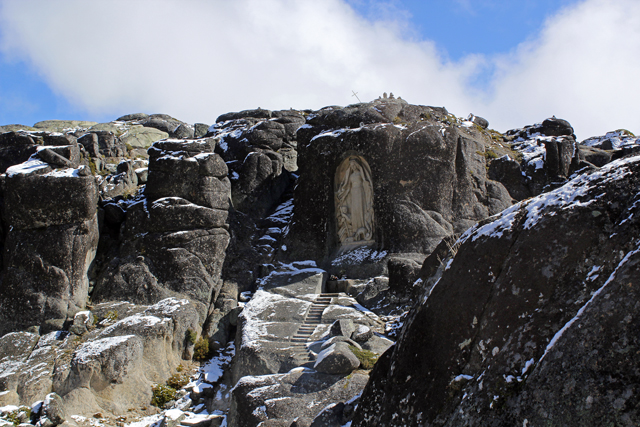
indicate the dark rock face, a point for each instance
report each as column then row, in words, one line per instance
column 51, row 241
column 173, row 240
column 134, row 116
column 549, row 127
column 507, row 171
column 188, row 170
column 109, row 145
column 175, row 128
column 257, row 113
column 548, row 154
column 536, row 313
column 15, row 148
column 428, row 172
column 595, row 156
column 260, row 148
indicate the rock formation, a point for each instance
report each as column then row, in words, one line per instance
column 51, row 241
column 253, row 271
column 174, row 237
column 422, row 171
column 533, row 321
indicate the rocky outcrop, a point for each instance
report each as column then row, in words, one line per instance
column 534, row 315
column 427, row 178
column 110, row 366
column 528, row 317
column 175, row 235
column 15, row 148
column 260, row 148
column 115, row 368
column 297, row 395
column 165, row 123
column 63, row 125
column 51, row 241
column 294, row 349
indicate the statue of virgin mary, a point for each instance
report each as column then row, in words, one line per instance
column 354, row 201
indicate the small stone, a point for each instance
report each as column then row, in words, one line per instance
column 53, row 409
column 362, row 334
column 337, row 359
column 344, row 327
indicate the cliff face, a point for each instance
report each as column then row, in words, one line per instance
column 427, row 170
column 534, row 320
column 125, row 243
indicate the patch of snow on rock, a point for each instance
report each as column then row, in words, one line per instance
column 91, row 349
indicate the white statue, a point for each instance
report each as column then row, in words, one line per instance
column 354, row 201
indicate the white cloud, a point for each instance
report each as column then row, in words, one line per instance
column 583, row 67
column 198, row 59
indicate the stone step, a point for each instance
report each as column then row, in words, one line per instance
column 209, row 421
column 305, row 337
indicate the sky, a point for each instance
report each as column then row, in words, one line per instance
column 513, row 62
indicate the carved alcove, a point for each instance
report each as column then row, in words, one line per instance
column 353, row 201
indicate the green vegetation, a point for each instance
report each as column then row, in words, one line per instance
column 162, row 394
column 450, row 119
column 192, row 336
column 129, row 193
column 92, row 166
column 15, row 415
column 367, row 358
column 201, row 350
column 112, row 316
column 489, row 154
column 177, row 381
column 493, row 134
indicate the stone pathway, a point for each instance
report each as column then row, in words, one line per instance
column 282, row 331
column 309, row 326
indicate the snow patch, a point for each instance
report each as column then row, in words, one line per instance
column 27, row 167
column 92, row 349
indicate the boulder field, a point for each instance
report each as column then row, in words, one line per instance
column 382, row 264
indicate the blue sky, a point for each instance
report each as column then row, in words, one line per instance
column 466, row 27
column 514, row 63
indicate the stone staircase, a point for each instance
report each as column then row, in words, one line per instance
column 312, row 319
